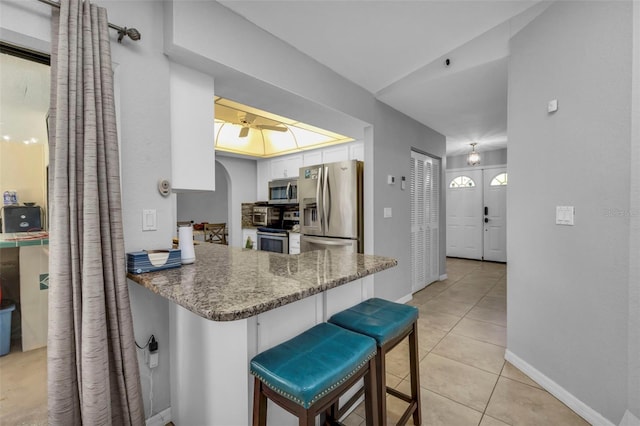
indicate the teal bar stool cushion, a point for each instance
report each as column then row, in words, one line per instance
column 377, row 318
column 312, row 364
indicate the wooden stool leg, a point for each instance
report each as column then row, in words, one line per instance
column 259, row 404
column 331, row 414
column 306, row 419
column 382, row 385
column 371, row 390
column 414, row 362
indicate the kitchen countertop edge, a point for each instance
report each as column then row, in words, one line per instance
column 164, row 283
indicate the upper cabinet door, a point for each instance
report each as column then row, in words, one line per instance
column 286, row 167
column 311, row 158
column 335, row 154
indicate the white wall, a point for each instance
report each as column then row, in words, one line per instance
column 142, row 78
column 568, row 287
column 205, row 206
column 395, row 136
column 241, row 175
column 634, row 239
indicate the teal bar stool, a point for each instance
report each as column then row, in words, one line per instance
column 307, row 374
column 388, row 323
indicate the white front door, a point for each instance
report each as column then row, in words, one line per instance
column 495, row 214
column 464, row 214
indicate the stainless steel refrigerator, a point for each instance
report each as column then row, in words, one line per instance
column 331, row 214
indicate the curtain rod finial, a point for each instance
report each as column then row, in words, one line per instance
column 132, row 33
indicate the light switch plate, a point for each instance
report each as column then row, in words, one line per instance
column 149, row 220
column 387, row 212
column 552, row 106
column 565, row 215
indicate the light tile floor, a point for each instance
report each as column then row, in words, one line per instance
column 463, row 375
column 23, row 387
column 464, row 378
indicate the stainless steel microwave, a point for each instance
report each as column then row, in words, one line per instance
column 283, row 191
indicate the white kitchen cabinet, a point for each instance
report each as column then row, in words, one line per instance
column 250, row 233
column 335, row 154
column 192, row 131
column 286, row 167
column 294, row 243
column 311, row 158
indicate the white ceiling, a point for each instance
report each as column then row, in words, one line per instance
column 396, row 50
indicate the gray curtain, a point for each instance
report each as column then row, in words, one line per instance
column 93, row 376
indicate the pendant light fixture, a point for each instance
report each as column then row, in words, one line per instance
column 473, row 158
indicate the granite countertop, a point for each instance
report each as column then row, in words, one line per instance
column 228, row 283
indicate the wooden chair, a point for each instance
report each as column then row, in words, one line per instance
column 215, row 233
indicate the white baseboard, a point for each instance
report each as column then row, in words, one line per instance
column 579, row 407
column 405, row 299
column 160, row 419
column 443, row 277
column 629, row 419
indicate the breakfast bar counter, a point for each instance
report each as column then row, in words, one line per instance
column 226, row 283
column 232, row 304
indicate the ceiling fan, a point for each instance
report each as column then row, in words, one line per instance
column 247, row 119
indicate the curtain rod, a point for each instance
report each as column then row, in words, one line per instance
column 132, row 33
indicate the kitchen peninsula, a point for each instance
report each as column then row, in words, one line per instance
column 234, row 303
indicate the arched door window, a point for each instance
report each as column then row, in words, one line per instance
column 462, row 182
column 499, row 180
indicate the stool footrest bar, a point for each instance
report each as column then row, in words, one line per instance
column 398, row 394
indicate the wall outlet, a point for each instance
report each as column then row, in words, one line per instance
column 387, row 212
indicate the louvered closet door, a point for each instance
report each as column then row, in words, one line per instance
column 425, row 216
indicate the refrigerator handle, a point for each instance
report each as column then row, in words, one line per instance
column 327, row 242
column 325, row 198
column 318, row 199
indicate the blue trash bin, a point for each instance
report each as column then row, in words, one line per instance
column 6, row 309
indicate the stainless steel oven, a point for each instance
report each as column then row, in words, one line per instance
column 265, row 216
column 277, row 242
